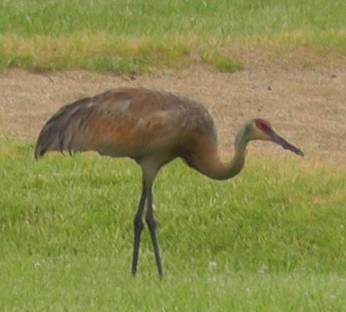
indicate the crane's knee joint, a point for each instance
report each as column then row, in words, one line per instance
column 152, row 223
column 138, row 223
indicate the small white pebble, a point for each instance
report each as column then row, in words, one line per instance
column 212, row 265
column 37, row 265
column 262, row 269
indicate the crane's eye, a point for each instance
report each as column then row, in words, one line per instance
column 263, row 125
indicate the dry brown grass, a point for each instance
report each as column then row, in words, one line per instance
column 306, row 104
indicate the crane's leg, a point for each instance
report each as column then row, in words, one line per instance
column 138, row 227
column 152, row 224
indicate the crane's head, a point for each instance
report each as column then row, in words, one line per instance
column 261, row 129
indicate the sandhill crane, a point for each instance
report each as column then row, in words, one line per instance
column 152, row 128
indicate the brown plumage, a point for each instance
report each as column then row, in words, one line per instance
column 153, row 128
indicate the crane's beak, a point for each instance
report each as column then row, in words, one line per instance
column 281, row 141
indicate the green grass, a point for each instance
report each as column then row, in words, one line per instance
column 276, row 232
column 141, row 36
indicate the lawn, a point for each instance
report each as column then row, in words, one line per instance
column 272, row 239
column 138, row 36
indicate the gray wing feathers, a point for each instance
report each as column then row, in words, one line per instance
column 59, row 134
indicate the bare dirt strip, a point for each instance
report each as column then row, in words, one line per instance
column 305, row 105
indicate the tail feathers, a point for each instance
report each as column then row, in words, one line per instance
column 59, row 134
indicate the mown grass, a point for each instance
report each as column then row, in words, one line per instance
column 276, row 233
column 141, row 36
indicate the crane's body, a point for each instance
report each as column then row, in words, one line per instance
column 138, row 123
column 153, row 128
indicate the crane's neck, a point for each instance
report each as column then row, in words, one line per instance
column 227, row 170
column 215, row 168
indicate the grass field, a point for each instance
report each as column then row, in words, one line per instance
column 276, row 233
column 141, row 36
column 272, row 239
